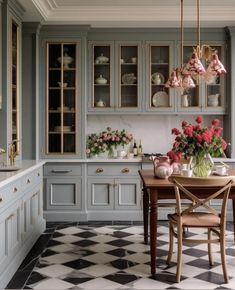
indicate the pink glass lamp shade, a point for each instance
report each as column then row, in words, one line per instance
column 187, row 82
column 216, row 67
column 195, row 66
column 173, row 81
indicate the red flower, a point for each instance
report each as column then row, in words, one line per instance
column 184, row 123
column 175, row 131
column 188, row 130
column 198, row 138
column 217, row 131
column 174, row 156
column 224, row 144
column 215, row 122
column 199, row 119
column 207, row 136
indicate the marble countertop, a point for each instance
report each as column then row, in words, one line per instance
column 26, row 166
column 98, row 160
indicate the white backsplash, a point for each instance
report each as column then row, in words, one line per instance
column 154, row 131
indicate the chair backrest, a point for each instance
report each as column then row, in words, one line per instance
column 201, row 190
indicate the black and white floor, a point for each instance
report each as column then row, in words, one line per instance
column 98, row 256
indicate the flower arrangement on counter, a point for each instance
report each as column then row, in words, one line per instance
column 2, row 151
column 198, row 142
column 107, row 140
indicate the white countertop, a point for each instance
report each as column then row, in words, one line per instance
column 98, row 160
column 25, row 166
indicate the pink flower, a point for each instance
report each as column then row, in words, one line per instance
column 215, row 122
column 199, row 119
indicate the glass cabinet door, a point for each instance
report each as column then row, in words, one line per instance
column 15, row 85
column 159, row 66
column 214, row 95
column 189, row 99
column 101, row 76
column 61, row 97
column 128, row 63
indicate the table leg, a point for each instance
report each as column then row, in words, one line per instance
column 145, row 213
column 234, row 218
column 153, row 229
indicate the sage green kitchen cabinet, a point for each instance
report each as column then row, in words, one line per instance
column 21, row 217
column 113, row 188
column 159, row 64
column 63, row 185
column 206, row 99
column 62, row 98
column 11, row 129
column 115, row 76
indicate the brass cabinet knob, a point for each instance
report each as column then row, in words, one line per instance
column 125, row 170
column 28, row 181
column 1, row 200
column 39, row 174
column 99, row 170
column 15, row 189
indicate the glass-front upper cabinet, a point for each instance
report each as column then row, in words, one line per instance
column 215, row 91
column 159, row 66
column 61, row 98
column 207, row 98
column 114, row 76
column 15, row 102
column 189, row 100
column 129, row 64
column 101, row 76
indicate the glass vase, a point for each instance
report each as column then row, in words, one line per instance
column 202, row 164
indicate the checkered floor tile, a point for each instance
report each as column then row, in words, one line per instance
column 115, row 257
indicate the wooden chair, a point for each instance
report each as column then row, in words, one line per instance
column 212, row 187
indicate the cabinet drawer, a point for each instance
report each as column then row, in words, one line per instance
column 8, row 193
column 115, row 169
column 62, row 169
column 31, row 179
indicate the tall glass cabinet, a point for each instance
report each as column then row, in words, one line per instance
column 61, row 98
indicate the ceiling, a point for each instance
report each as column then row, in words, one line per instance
column 129, row 13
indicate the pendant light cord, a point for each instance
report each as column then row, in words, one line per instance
column 182, row 33
column 198, row 26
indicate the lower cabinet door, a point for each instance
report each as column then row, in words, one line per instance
column 100, row 193
column 127, row 193
column 64, row 193
column 10, row 228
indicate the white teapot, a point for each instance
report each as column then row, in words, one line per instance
column 156, row 79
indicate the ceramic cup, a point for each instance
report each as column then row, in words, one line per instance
column 186, row 172
column 220, row 169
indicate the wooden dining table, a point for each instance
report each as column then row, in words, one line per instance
column 155, row 189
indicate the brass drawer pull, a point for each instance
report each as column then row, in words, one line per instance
column 15, row 189
column 39, row 174
column 99, row 170
column 28, row 181
column 125, row 170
